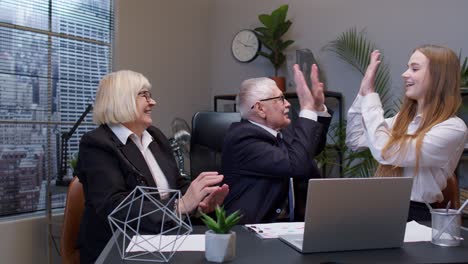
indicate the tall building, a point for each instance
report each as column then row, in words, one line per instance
column 81, row 65
column 35, row 90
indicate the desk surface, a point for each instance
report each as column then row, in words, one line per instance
column 251, row 249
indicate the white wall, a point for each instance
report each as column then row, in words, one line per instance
column 167, row 41
column 183, row 47
column 396, row 26
column 24, row 239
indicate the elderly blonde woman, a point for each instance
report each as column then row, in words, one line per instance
column 125, row 151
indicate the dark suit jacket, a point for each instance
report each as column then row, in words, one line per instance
column 257, row 169
column 109, row 171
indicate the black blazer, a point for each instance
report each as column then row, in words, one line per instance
column 257, row 169
column 109, row 171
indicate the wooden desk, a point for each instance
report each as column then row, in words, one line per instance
column 251, row 249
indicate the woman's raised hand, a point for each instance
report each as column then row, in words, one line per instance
column 368, row 81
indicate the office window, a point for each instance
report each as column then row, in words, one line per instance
column 52, row 55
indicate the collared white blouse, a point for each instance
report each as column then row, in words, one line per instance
column 441, row 148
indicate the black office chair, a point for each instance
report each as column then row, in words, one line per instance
column 208, row 131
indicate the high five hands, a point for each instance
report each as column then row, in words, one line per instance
column 368, row 81
column 311, row 99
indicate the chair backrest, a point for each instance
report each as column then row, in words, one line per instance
column 208, row 131
column 451, row 193
column 71, row 223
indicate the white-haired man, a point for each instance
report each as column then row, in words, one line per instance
column 263, row 151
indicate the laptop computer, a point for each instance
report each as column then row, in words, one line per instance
column 353, row 214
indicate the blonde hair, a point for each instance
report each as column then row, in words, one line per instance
column 251, row 91
column 116, row 97
column 444, row 97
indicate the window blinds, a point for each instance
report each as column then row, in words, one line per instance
column 52, row 55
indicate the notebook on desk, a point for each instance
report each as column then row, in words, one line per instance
column 353, row 214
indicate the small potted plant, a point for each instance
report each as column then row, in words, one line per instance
column 73, row 162
column 270, row 35
column 220, row 241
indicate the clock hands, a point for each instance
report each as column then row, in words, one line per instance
column 245, row 45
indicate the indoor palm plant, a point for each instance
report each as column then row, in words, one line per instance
column 275, row 25
column 464, row 72
column 464, row 86
column 220, row 241
column 353, row 47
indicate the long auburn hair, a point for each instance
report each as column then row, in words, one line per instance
column 444, row 97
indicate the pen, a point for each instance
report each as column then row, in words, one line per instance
column 254, row 229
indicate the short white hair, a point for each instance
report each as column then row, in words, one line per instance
column 251, row 91
column 116, row 97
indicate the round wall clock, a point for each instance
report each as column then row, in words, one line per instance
column 245, row 46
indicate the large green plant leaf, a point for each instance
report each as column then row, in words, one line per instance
column 282, row 29
column 266, row 20
column 263, row 32
column 280, row 13
column 267, row 42
column 285, row 44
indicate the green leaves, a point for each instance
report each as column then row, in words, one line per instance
column 354, row 48
column 73, row 161
column 463, row 71
column 266, row 20
column 354, row 163
column 275, row 26
column 223, row 223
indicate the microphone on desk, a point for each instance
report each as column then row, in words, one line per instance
column 180, row 143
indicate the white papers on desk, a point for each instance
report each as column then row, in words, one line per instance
column 416, row 232
column 274, row 229
column 152, row 243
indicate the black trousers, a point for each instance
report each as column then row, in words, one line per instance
column 418, row 212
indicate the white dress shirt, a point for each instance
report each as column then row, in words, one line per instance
column 441, row 147
column 142, row 143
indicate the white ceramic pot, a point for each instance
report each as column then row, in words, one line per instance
column 220, row 247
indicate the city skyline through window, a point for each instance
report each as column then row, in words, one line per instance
column 51, row 61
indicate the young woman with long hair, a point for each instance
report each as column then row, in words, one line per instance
column 425, row 139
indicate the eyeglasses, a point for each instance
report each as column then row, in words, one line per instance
column 146, row 95
column 281, row 97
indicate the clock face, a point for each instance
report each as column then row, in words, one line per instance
column 245, row 46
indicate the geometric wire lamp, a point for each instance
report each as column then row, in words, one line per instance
column 143, row 207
